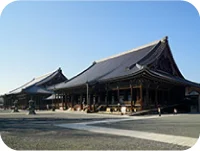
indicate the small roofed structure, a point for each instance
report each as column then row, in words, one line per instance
column 1, row 102
column 55, row 100
column 36, row 89
column 193, row 98
column 142, row 79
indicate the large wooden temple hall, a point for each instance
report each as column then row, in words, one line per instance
column 140, row 79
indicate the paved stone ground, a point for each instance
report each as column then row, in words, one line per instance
column 182, row 125
column 25, row 132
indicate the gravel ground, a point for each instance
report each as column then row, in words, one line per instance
column 78, row 140
column 24, row 132
column 181, row 125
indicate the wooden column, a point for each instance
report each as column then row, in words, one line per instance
column 52, row 101
column 81, row 101
column 156, row 97
column 62, row 100
column 65, row 100
column 106, row 97
column 90, row 100
column 72, row 101
column 163, row 96
column 94, row 101
column 55, row 100
column 38, row 102
column 141, row 98
column 199, row 103
column 147, row 103
column 87, row 95
column 118, row 94
column 168, row 101
column 131, row 89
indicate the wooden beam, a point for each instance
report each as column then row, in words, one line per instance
column 124, row 88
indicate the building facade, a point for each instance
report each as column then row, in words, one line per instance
column 140, row 79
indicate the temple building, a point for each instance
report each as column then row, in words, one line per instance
column 36, row 89
column 140, row 79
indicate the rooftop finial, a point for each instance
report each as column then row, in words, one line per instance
column 165, row 39
column 59, row 69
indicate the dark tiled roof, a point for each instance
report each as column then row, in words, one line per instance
column 35, row 85
column 116, row 66
column 126, row 65
column 174, row 79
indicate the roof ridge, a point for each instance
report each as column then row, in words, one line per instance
column 47, row 74
column 35, row 78
column 129, row 51
column 22, row 85
column 81, row 72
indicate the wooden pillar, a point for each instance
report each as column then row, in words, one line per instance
column 168, row 101
column 72, row 100
column 147, row 103
column 156, row 97
column 199, row 103
column 131, row 89
column 65, row 100
column 163, row 97
column 106, row 97
column 118, row 94
column 87, row 95
column 99, row 98
column 59, row 100
column 39, row 105
column 141, row 98
column 62, row 100
column 55, row 102
column 81, row 101
column 94, row 101
column 89, row 101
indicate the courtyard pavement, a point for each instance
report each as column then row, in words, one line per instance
column 80, row 131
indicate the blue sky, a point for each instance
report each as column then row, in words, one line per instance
column 39, row 37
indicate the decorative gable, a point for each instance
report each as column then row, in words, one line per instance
column 165, row 63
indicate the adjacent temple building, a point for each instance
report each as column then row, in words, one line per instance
column 36, row 89
column 140, row 79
